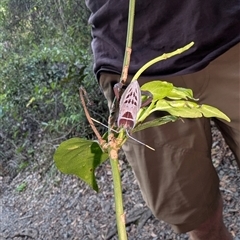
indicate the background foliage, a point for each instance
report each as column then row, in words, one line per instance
column 44, row 57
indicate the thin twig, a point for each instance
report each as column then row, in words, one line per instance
column 82, row 92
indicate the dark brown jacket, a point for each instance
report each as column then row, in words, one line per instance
column 162, row 26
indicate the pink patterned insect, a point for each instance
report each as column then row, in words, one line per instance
column 129, row 105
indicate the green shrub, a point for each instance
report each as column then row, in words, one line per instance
column 44, row 58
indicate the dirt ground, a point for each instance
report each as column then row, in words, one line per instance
column 45, row 204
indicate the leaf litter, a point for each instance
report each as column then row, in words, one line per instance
column 57, row 206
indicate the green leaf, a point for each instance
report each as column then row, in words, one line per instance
column 209, row 111
column 179, row 108
column 188, row 109
column 178, row 93
column 21, row 187
column 159, row 89
column 183, row 103
column 185, row 112
column 80, row 157
column 155, row 123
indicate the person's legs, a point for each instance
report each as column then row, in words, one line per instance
column 213, row 228
column 223, row 92
column 225, row 77
column 178, row 180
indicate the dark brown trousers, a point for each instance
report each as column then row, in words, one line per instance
column 178, row 181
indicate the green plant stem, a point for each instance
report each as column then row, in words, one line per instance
column 160, row 58
column 113, row 147
column 120, row 216
column 128, row 48
column 146, row 113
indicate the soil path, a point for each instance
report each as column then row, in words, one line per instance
column 56, row 206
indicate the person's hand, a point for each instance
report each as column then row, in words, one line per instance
column 107, row 82
column 111, row 87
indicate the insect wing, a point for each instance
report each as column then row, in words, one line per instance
column 129, row 105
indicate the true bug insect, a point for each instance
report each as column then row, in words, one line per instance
column 129, row 105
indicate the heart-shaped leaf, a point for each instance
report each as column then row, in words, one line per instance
column 158, row 89
column 80, row 157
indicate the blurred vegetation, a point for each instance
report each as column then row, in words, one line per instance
column 44, row 57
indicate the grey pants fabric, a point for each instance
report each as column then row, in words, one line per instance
column 178, row 180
